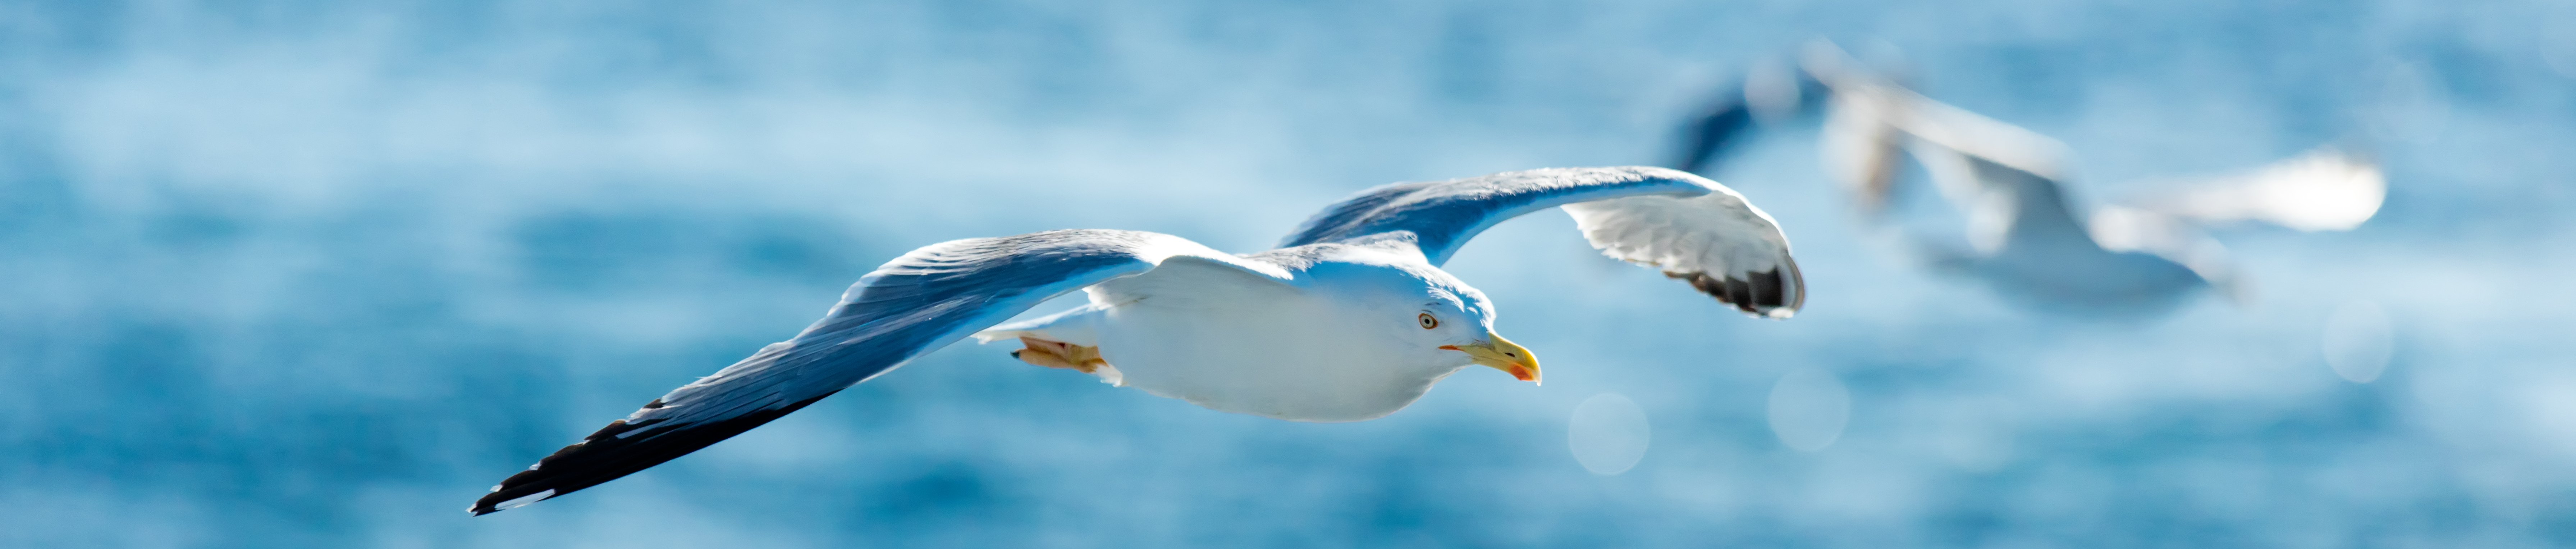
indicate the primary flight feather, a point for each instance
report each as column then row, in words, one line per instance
column 1349, row 319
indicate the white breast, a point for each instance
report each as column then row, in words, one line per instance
column 1285, row 356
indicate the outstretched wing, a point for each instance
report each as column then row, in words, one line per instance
column 2321, row 190
column 912, row 305
column 1691, row 228
column 1714, row 132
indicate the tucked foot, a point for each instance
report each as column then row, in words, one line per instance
column 1058, row 354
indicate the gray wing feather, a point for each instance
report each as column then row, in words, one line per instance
column 910, row 306
column 1442, row 215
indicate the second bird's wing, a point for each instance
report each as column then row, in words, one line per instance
column 2321, row 190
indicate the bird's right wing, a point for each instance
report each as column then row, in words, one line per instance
column 2320, row 190
column 912, row 305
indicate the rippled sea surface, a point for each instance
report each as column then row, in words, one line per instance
column 317, row 274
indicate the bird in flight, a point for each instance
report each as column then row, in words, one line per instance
column 1349, row 319
column 2028, row 236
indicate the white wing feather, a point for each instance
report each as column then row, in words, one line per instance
column 2321, row 190
column 1716, row 237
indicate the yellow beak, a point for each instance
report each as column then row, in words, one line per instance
column 1503, row 355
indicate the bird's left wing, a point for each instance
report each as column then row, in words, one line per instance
column 912, row 305
column 1691, row 228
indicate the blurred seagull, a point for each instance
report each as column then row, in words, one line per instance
column 2029, row 239
column 1349, row 319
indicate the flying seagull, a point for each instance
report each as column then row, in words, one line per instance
column 1349, row 319
column 2030, row 239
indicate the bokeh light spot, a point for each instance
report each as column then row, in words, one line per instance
column 1808, row 409
column 1608, row 434
column 2357, row 341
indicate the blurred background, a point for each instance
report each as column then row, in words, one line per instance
column 317, row 274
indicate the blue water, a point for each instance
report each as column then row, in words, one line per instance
column 310, row 274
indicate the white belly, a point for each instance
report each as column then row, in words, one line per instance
column 1288, row 360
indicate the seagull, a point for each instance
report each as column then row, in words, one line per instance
column 2029, row 239
column 1349, row 319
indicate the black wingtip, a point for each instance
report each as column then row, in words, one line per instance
column 616, row 451
column 481, row 508
column 1765, row 294
column 1714, row 134
column 492, row 503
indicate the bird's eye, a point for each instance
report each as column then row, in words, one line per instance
column 1428, row 322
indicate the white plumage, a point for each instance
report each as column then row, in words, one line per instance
column 1349, row 319
column 1689, row 236
column 1337, row 340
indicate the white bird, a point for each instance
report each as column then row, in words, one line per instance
column 2029, row 238
column 1349, row 319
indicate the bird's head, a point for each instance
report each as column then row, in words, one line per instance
column 1466, row 326
column 1452, row 324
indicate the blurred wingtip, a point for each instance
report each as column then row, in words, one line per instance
column 2237, row 291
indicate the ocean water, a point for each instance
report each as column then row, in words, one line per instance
column 315, row 274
